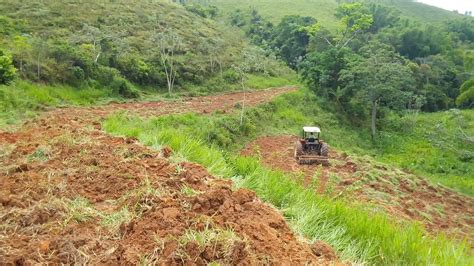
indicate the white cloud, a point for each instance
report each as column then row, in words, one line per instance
column 460, row 5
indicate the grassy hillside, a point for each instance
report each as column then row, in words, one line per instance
column 64, row 51
column 117, row 44
column 275, row 10
column 439, row 145
column 323, row 10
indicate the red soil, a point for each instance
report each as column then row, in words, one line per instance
column 51, row 162
column 401, row 194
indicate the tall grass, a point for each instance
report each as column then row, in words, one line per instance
column 22, row 99
column 357, row 233
column 443, row 144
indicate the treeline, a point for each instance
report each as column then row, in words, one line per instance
column 118, row 45
column 376, row 63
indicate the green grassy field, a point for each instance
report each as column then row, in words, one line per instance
column 437, row 145
column 23, row 100
column 275, row 10
column 357, row 233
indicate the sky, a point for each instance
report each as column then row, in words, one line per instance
column 459, row 5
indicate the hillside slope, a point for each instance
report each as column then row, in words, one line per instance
column 323, row 10
column 97, row 43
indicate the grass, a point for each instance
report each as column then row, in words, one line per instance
column 323, row 10
column 357, row 233
column 211, row 237
column 23, row 99
column 275, row 10
column 443, row 143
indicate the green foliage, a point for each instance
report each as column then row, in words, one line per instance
column 323, row 10
column 464, row 28
column 290, row 40
column 354, row 17
column 7, row 70
column 422, row 41
column 466, row 98
column 443, row 144
column 202, row 11
column 379, row 79
column 22, row 99
column 109, row 45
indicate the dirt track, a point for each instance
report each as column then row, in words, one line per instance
column 399, row 193
column 69, row 193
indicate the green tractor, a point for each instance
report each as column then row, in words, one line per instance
column 310, row 149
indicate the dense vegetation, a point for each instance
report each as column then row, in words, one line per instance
column 356, row 233
column 377, row 62
column 118, row 44
column 120, row 49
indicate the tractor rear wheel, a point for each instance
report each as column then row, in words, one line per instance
column 324, row 150
column 298, row 149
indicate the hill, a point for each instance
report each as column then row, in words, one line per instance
column 323, row 10
column 96, row 50
column 62, row 41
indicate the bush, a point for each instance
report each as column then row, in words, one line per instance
column 231, row 76
column 7, row 70
column 124, row 88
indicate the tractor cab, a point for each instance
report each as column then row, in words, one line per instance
column 311, row 135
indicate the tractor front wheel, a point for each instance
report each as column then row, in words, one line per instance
column 324, row 150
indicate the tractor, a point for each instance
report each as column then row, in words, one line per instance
column 310, row 149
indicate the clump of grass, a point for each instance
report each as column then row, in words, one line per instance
column 142, row 198
column 79, row 210
column 6, row 150
column 188, row 191
column 113, row 220
column 219, row 239
column 42, row 153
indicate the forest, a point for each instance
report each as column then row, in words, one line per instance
column 376, row 63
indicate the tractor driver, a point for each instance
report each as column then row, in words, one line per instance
column 311, row 137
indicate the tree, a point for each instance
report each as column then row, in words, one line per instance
column 169, row 44
column 418, row 41
column 355, row 19
column 251, row 62
column 290, row 39
column 7, row 70
column 383, row 16
column 21, row 49
column 380, row 79
column 93, row 37
column 40, row 48
column 466, row 98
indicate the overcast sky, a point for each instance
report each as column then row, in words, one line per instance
column 459, row 5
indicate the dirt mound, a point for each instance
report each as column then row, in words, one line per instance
column 71, row 194
column 401, row 194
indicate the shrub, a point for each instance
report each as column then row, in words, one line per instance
column 231, row 76
column 7, row 70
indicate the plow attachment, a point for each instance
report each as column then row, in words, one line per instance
column 313, row 159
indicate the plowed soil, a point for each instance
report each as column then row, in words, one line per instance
column 69, row 193
column 399, row 193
